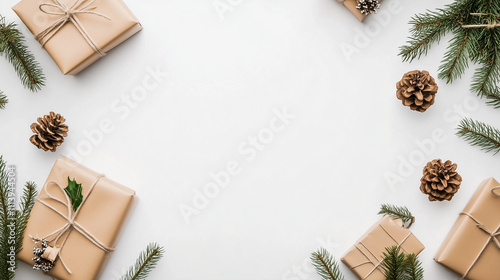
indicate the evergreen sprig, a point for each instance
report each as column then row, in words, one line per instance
column 480, row 134
column 400, row 266
column 5, row 273
column 146, row 262
column 8, row 216
column 399, row 212
column 473, row 41
column 325, row 265
column 13, row 47
column 3, row 100
column 413, row 268
column 25, row 206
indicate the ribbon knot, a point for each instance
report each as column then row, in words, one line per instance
column 71, row 223
column 68, row 14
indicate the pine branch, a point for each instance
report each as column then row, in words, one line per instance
column 456, row 58
column 493, row 98
column 393, row 264
column 145, row 263
column 473, row 40
column 3, row 100
column 419, row 44
column 413, row 268
column 400, row 266
column 480, row 134
column 325, row 265
column 27, row 202
column 398, row 212
column 5, row 273
column 13, row 47
column 486, row 77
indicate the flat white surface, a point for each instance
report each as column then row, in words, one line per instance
column 319, row 181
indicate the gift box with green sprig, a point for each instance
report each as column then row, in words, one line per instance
column 366, row 258
column 75, row 222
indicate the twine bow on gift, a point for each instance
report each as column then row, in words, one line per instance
column 493, row 236
column 379, row 262
column 68, row 14
column 71, row 223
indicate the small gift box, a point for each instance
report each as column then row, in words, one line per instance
column 366, row 256
column 472, row 248
column 76, row 33
column 75, row 244
column 351, row 5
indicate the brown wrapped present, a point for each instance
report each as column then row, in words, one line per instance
column 76, row 33
column 79, row 242
column 472, row 248
column 351, row 6
column 365, row 258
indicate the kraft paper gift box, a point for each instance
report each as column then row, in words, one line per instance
column 365, row 257
column 85, row 247
column 351, row 6
column 472, row 248
column 88, row 30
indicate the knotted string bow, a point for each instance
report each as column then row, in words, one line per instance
column 71, row 223
column 68, row 14
column 493, row 235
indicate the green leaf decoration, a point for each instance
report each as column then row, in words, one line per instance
column 74, row 191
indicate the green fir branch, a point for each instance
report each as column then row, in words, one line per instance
column 393, row 264
column 456, row 58
column 3, row 100
column 493, row 98
column 5, row 272
column 400, row 266
column 13, row 47
column 25, row 206
column 398, row 212
column 325, row 265
column 145, row 263
column 413, row 268
column 480, row 134
column 12, row 217
column 472, row 41
column 487, row 76
column 419, row 44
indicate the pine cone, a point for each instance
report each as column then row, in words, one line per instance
column 368, row 6
column 440, row 180
column 417, row 89
column 50, row 132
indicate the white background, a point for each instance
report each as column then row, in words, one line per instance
column 318, row 182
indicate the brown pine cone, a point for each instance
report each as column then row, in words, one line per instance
column 440, row 180
column 417, row 89
column 49, row 132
